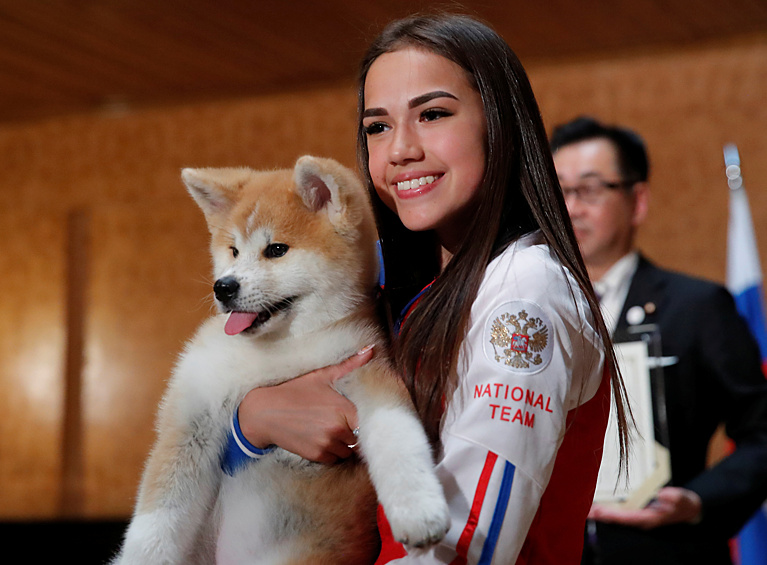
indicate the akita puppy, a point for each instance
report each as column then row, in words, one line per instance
column 295, row 266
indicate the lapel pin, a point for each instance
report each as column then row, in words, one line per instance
column 649, row 307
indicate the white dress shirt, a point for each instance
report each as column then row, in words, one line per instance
column 613, row 288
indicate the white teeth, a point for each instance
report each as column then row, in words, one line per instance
column 415, row 183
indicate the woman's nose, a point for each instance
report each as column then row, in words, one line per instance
column 405, row 146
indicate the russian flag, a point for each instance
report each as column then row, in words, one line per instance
column 744, row 280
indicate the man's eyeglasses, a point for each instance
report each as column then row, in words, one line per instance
column 592, row 190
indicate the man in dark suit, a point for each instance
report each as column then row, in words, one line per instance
column 713, row 374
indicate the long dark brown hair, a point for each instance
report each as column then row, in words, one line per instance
column 519, row 194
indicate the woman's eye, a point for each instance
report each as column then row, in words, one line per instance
column 374, row 128
column 434, row 114
column 235, row 251
column 275, row 250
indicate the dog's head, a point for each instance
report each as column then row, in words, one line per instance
column 292, row 249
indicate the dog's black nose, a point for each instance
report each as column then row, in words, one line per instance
column 226, row 288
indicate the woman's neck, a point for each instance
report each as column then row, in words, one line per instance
column 445, row 258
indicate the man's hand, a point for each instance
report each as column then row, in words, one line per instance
column 305, row 415
column 672, row 505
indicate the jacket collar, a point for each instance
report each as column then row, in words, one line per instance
column 644, row 299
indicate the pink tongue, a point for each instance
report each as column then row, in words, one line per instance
column 239, row 321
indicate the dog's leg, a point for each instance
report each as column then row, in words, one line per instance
column 178, row 490
column 398, row 456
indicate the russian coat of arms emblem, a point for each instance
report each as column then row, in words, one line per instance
column 519, row 339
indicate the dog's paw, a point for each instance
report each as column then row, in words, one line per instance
column 422, row 522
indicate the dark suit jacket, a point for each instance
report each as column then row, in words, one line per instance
column 717, row 379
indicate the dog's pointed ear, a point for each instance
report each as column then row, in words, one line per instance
column 209, row 190
column 318, row 182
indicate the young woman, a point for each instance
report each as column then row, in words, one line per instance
column 503, row 348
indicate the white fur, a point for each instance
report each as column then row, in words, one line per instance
column 387, row 440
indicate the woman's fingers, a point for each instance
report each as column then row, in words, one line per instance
column 335, row 372
column 305, row 415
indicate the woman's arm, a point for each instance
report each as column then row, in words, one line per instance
column 305, row 415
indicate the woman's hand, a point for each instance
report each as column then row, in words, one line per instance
column 305, row 415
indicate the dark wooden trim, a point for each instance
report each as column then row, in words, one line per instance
column 77, row 274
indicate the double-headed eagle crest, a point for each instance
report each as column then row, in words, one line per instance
column 521, row 339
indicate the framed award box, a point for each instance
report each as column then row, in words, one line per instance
column 649, row 469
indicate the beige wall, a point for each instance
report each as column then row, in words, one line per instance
column 105, row 267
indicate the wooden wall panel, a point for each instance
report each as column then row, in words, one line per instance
column 32, row 361
column 148, row 282
column 687, row 105
column 137, row 157
column 150, row 288
column 146, row 261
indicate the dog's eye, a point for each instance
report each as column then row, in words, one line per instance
column 235, row 251
column 275, row 250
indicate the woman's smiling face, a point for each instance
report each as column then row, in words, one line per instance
column 426, row 130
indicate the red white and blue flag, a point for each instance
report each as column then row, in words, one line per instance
column 744, row 280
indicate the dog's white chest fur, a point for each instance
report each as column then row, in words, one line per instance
column 250, row 515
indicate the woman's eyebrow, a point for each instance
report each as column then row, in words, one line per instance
column 424, row 98
column 374, row 112
column 413, row 103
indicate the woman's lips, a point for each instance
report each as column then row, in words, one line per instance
column 415, row 186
